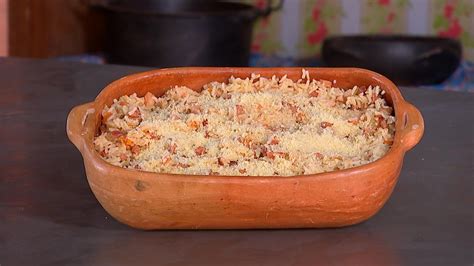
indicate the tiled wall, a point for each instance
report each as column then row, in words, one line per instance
column 300, row 27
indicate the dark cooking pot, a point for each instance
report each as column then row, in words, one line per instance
column 167, row 33
column 407, row 60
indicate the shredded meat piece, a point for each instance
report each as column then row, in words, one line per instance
column 326, row 124
column 239, row 109
column 150, row 99
column 200, row 150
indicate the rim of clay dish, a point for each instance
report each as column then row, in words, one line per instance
column 394, row 155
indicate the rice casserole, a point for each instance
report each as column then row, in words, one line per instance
column 255, row 126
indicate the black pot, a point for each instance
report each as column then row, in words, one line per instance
column 406, row 60
column 167, row 33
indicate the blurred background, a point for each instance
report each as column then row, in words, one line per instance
column 375, row 34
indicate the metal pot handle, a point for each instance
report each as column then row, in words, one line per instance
column 270, row 8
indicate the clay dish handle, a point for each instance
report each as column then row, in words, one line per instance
column 76, row 121
column 413, row 127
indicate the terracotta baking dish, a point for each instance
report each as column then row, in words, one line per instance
column 165, row 201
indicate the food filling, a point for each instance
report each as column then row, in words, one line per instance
column 255, row 126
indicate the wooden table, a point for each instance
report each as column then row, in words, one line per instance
column 49, row 216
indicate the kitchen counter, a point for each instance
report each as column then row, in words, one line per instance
column 49, row 216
